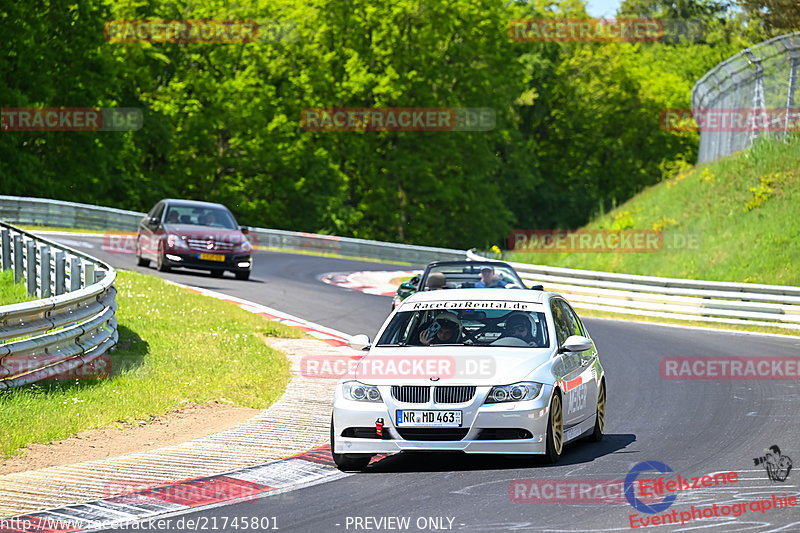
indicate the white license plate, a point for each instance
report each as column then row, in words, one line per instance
column 415, row 417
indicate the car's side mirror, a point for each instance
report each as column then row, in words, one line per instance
column 153, row 222
column 244, row 229
column 359, row 342
column 575, row 343
column 536, row 287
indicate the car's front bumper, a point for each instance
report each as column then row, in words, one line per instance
column 232, row 262
column 481, row 422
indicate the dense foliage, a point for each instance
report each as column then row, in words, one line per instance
column 577, row 123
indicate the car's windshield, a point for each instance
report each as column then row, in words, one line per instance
column 484, row 323
column 461, row 276
column 200, row 216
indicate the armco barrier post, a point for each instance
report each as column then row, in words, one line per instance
column 18, row 257
column 61, row 262
column 30, row 267
column 88, row 274
column 5, row 241
column 75, row 274
column 44, row 276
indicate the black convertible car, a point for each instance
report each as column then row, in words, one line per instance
column 461, row 275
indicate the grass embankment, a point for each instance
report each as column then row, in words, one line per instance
column 10, row 292
column 745, row 209
column 176, row 347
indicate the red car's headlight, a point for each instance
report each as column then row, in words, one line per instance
column 176, row 241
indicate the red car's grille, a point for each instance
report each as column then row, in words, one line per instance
column 201, row 245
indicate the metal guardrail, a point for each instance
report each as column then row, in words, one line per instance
column 757, row 79
column 72, row 323
column 40, row 211
column 681, row 299
column 385, row 251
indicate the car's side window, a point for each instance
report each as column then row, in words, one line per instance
column 158, row 210
column 574, row 325
column 560, row 322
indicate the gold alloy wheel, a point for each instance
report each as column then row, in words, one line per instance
column 557, row 425
column 601, row 408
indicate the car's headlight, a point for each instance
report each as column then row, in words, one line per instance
column 514, row 393
column 176, row 241
column 353, row 390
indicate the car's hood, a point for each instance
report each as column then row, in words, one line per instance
column 451, row 364
column 204, row 232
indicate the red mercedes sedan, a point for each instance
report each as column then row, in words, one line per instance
column 196, row 235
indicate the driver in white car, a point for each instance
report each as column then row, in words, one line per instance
column 445, row 329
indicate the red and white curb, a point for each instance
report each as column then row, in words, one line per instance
column 307, row 468
column 331, row 336
column 240, row 486
column 368, row 281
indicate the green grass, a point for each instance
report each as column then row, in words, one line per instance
column 176, row 348
column 10, row 292
column 745, row 208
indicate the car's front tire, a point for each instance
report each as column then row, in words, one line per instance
column 161, row 264
column 555, row 431
column 244, row 275
column 348, row 462
column 600, row 420
column 140, row 261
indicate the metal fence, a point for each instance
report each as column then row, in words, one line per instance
column 758, row 85
column 679, row 299
column 73, row 321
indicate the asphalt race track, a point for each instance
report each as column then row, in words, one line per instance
column 694, row 427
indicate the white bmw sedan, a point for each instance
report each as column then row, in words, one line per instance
column 471, row 370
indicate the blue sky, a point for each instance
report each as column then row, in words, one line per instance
column 602, row 8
